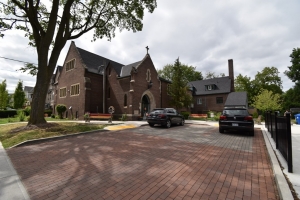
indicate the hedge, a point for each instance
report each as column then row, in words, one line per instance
column 7, row 113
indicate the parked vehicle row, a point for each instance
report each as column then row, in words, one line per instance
column 231, row 119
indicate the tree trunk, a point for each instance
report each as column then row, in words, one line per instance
column 39, row 97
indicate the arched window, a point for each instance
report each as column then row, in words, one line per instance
column 125, row 100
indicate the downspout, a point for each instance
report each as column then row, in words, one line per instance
column 104, row 86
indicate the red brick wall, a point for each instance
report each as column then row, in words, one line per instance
column 68, row 78
column 208, row 103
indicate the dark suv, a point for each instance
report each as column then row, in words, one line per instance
column 165, row 117
column 236, row 119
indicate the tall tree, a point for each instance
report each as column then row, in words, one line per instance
column 244, row 83
column 179, row 88
column 269, row 79
column 291, row 98
column 49, row 26
column 293, row 71
column 189, row 72
column 267, row 100
column 3, row 95
column 19, row 96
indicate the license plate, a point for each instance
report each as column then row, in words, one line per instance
column 235, row 124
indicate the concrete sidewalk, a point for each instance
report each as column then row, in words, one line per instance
column 12, row 188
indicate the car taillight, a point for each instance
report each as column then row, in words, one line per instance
column 161, row 116
column 222, row 117
column 248, row 118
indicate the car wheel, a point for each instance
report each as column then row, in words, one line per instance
column 221, row 130
column 182, row 122
column 151, row 124
column 168, row 124
column 251, row 133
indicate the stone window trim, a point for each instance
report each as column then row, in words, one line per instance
column 75, row 89
column 148, row 75
column 70, row 65
column 63, row 92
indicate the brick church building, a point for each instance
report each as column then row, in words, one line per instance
column 90, row 83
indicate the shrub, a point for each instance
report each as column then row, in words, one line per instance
column 9, row 120
column 61, row 108
column 21, row 115
column 124, row 117
column 217, row 116
column 48, row 111
column 7, row 113
column 28, row 118
column 27, row 110
column 255, row 115
column 52, row 116
column 185, row 114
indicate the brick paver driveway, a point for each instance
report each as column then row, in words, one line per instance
column 190, row 162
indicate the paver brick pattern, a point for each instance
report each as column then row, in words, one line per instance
column 190, row 162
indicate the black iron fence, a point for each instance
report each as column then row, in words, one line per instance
column 280, row 130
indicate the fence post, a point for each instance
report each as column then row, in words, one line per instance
column 271, row 124
column 276, row 130
column 289, row 140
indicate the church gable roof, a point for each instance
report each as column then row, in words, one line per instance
column 220, row 85
column 126, row 70
column 94, row 61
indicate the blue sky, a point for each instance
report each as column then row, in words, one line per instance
column 202, row 33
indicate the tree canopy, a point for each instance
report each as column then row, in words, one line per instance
column 19, row 96
column 189, row 72
column 179, row 87
column 210, row 75
column 50, row 25
column 267, row 79
column 267, row 100
column 3, row 95
column 293, row 71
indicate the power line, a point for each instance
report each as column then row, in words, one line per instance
column 17, row 60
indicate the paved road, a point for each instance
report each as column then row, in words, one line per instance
column 189, row 162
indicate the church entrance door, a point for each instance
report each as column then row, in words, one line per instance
column 145, row 105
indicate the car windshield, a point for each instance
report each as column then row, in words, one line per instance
column 158, row 111
column 235, row 112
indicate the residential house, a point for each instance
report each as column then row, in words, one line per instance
column 211, row 94
column 237, row 100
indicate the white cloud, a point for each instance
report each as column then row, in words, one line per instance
column 254, row 33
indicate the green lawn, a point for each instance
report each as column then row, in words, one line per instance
column 10, row 137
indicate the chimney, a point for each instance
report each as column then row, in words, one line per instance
column 231, row 74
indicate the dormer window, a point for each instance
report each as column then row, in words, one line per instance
column 210, row 87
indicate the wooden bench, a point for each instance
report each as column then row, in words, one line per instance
column 99, row 116
column 204, row 116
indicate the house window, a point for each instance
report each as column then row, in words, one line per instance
column 62, row 92
column 219, row 100
column 209, row 87
column 75, row 89
column 70, row 65
column 199, row 101
column 125, row 100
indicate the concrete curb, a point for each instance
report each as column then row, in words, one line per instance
column 282, row 185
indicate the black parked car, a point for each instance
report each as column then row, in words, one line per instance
column 236, row 119
column 165, row 117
